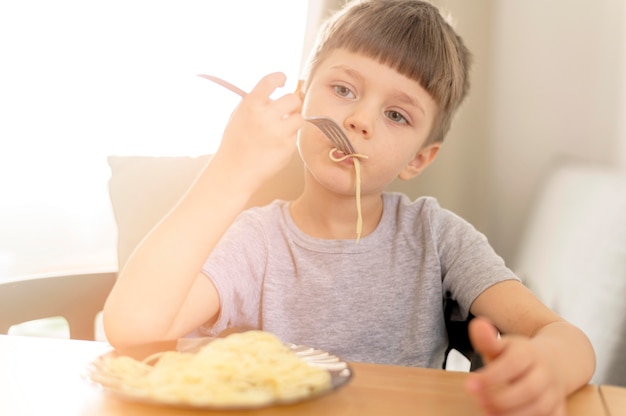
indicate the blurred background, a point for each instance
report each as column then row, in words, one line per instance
column 549, row 87
column 83, row 80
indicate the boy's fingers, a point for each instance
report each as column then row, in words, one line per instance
column 288, row 104
column 267, row 85
column 484, row 338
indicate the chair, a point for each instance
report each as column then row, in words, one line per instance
column 143, row 189
column 458, row 336
column 77, row 297
column 573, row 257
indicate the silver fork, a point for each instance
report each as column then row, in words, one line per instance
column 335, row 134
column 327, row 125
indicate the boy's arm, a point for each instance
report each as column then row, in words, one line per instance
column 161, row 294
column 538, row 361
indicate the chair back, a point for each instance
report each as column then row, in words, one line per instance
column 77, row 297
column 573, row 257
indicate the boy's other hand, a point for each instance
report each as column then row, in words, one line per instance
column 517, row 378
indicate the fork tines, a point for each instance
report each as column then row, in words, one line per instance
column 336, row 135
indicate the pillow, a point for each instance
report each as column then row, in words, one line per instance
column 573, row 257
column 143, row 189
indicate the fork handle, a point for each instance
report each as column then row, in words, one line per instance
column 225, row 84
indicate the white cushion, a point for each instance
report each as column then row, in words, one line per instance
column 573, row 257
column 144, row 189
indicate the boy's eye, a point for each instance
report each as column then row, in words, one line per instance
column 396, row 117
column 343, row 91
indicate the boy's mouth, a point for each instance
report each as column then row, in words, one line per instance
column 340, row 157
column 337, row 154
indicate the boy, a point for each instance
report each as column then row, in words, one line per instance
column 392, row 73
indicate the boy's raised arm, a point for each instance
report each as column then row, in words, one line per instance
column 161, row 294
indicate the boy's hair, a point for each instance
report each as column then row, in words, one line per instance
column 411, row 37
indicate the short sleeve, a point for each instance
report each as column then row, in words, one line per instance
column 236, row 268
column 469, row 264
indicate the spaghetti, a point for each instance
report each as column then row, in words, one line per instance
column 246, row 369
column 357, row 172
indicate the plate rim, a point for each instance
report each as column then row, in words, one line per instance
column 341, row 374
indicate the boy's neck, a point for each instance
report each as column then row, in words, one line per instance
column 330, row 216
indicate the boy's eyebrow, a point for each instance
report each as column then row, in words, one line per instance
column 406, row 98
column 400, row 95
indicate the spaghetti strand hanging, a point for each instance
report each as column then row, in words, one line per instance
column 357, row 172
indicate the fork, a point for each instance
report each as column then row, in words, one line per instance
column 335, row 134
column 327, row 125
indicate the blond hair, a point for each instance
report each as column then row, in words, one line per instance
column 410, row 36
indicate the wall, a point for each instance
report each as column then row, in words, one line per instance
column 547, row 86
column 459, row 178
column 557, row 94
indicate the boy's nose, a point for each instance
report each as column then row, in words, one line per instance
column 359, row 124
column 361, row 129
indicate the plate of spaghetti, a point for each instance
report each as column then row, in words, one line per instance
column 250, row 369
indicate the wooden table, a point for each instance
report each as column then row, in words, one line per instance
column 614, row 398
column 44, row 376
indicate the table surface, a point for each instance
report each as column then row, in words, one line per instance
column 614, row 399
column 46, row 376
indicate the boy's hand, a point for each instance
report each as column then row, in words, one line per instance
column 517, row 379
column 261, row 135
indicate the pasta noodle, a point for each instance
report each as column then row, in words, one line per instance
column 243, row 369
column 357, row 171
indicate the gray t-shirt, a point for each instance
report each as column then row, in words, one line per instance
column 380, row 300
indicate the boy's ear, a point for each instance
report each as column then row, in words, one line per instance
column 420, row 161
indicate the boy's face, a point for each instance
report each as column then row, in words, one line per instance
column 386, row 115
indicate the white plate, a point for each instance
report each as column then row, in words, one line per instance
column 339, row 370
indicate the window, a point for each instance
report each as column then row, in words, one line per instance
column 83, row 80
